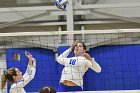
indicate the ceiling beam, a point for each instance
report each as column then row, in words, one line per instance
column 135, row 20
column 23, row 20
column 106, row 6
column 64, row 23
column 28, row 9
column 53, row 8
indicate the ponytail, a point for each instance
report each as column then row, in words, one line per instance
column 8, row 75
column 4, row 79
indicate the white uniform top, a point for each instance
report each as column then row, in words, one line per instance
column 27, row 77
column 75, row 67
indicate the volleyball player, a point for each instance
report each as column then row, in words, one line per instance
column 14, row 75
column 47, row 89
column 75, row 67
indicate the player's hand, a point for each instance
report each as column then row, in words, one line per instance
column 31, row 59
column 28, row 55
column 73, row 45
column 87, row 56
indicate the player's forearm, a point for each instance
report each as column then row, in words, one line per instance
column 30, row 72
column 65, row 53
column 31, row 64
column 95, row 66
column 63, row 56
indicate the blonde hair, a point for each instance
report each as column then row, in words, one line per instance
column 3, row 82
column 8, row 75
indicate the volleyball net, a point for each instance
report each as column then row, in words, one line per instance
column 117, row 52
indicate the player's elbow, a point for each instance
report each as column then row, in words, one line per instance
column 58, row 60
column 99, row 70
column 32, row 76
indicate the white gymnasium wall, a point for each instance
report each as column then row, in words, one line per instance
column 2, row 67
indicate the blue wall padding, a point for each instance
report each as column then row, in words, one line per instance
column 120, row 67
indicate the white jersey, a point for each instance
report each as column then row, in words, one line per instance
column 27, row 77
column 75, row 67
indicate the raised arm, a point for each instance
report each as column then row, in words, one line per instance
column 62, row 59
column 30, row 72
column 93, row 65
